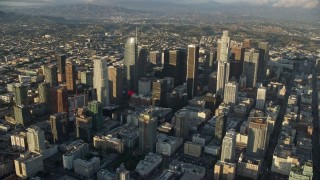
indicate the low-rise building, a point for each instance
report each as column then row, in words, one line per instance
column 148, row 164
column 248, row 167
column 224, row 170
column 108, row 142
column 87, row 168
column 19, row 141
column 77, row 151
column 167, row 145
column 28, row 165
column 283, row 159
column 192, row 149
column 304, row 172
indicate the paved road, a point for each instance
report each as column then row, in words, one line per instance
column 315, row 133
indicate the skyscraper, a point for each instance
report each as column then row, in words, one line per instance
column 207, row 66
column 220, row 128
column 182, row 120
column 264, row 58
column 36, row 140
column 261, row 97
column 223, row 62
column 59, row 126
column 70, row 76
column 250, row 66
column 62, row 100
column 20, row 94
column 101, row 81
column 141, row 66
column 212, row 84
column 247, row 43
column 115, row 74
column 21, row 115
column 44, row 93
column 231, row 93
column 228, row 147
column 84, row 126
column 148, row 124
column 159, row 93
column 155, row 58
column 95, row 111
column 51, row 75
column 257, row 138
column 192, row 70
column 130, row 59
column 61, row 62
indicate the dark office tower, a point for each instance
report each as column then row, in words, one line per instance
column 130, row 60
column 70, row 77
column 61, row 62
column 192, row 70
column 50, row 75
column 155, row 58
column 21, row 115
column 181, row 119
column 257, row 138
column 147, row 132
column 264, row 58
column 44, row 93
column 250, row 66
column 141, row 66
column 115, row 75
column 165, row 59
column 59, row 100
column 159, row 93
column 208, row 67
column 20, row 94
column 220, row 129
column 62, row 100
column 212, row 84
column 236, row 68
column 59, row 126
column 175, row 67
column 247, row 43
column 95, row 111
column 84, row 128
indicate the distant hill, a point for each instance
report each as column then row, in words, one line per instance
column 82, row 11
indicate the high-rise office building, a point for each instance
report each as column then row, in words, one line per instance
column 36, row 139
column 155, row 58
column 61, row 63
column 101, row 81
column 207, row 67
column 87, row 78
column 51, row 75
column 165, row 59
column 231, row 93
column 20, row 94
column 84, row 126
column 159, row 92
column 21, row 115
column 212, row 84
column 264, row 58
column 257, row 138
column 220, row 128
column 59, row 126
column 141, row 66
column 115, row 74
column 130, row 60
column 192, row 70
column 176, row 66
column 70, row 71
column 144, row 86
column 182, row 120
column 62, row 100
column 95, row 111
column 222, row 76
column 261, row 98
column 250, row 66
column 44, row 93
column 247, row 43
column 223, row 62
column 148, row 124
column 243, row 82
column 228, row 147
column 236, row 63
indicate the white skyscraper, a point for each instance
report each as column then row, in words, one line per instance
column 231, row 93
column 223, row 62
column 228, row 146
column 101, row 81
column 130, row 62
column 261, row 97
column 35, row 139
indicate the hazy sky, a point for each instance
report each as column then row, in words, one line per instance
column 308, row 4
